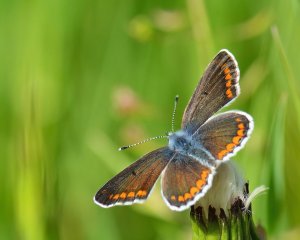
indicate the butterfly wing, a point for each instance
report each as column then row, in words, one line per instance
column 135, row 182
column 218, row 86
column 184, row 181
column 224, row 134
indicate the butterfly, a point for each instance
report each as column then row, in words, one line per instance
column 190, row 161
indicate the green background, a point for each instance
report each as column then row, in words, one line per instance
column 78, row 79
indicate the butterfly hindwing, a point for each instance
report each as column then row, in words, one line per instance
column 218, row 86
column 224, row 134
column 184, row 181
column 135, row 182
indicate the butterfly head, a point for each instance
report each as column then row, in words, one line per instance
column 180, row 141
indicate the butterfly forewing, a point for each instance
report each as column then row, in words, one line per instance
column 135, row 182
column 224, row 134
column 218, row 86
column 184, row 181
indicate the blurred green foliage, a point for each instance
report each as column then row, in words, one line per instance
column 78, row 79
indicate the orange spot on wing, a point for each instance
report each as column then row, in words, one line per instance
column 205, row 173
column 180, row 198
column 241, row 126
column 240, row 132
column 238, row 120
column 141, row 193
column 228, row 76
column 116, row 196
column 173, row 198
column 226, row 70
column 200, row 183
column 203, row 178
column 123, row 195
column 229, row 93
column 230, row 147
column 111, row 196
column 193, row 191
column 222, row 154
column 131, row 195
column 228, row 84
column 187, row 196
column 236, row 139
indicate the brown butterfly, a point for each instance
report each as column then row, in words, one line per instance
column 188, row 164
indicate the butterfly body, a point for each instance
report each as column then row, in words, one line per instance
column 191, row 159
column 184, row 143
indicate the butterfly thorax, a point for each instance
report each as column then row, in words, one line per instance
column 180, row 142
column 184, row 143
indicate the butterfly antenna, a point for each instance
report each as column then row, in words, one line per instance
column 174, row 111
column 157, row 137
column 144, row 141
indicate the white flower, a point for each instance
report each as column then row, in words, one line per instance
column 227, row 187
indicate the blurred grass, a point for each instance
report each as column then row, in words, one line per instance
column 78, row 79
